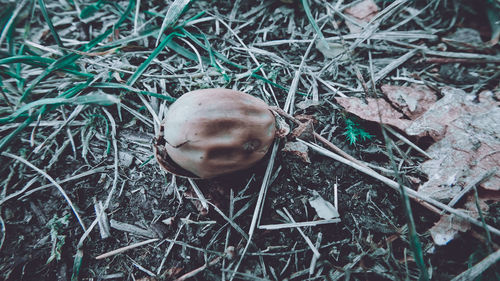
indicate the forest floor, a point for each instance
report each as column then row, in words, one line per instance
column 85, row 84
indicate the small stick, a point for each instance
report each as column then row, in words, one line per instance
column 198, row 270
column 126, row 248
column 458, row 60
column 308, row 241
column 318, row 137
column 476, row 270
column 314, row 258
column 420, row 198
column 200, row 195
column 297, row 224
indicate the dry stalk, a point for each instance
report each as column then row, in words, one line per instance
column 126, row 248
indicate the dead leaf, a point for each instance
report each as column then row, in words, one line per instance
column 324, row 209
column 467, row 134
column 362, row 13
column 465, row 39
column 333, row 51
column 299, row 149
column 450, row 226
column 468, row 143
column 370, row 111
column 307, row 103
column 282, row 128
column 470, row 206
column 447, row 228
column 305, row 130
column 413, row 100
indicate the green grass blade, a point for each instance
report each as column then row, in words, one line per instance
column 186, row 53
column 151, row 57
column 42, row 62
column 415, row 245
column 174, row 12
column 7, row 17
column 132, row 89
column 99, row 99
column 46, row 16
column 70, row 58
column 45, row 108
column 307, row 9
column 217, row 54
column 90, row 9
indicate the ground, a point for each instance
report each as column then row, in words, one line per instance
column 84, row 85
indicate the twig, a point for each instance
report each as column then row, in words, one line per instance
column 476, row 270
column 458, row 60
column 420, row 198
column 200, row 195
column 198, row 270
column 297, row 224
column 126, row 248
column 308, row 241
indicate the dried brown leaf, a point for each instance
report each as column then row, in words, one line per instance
column 468, row 143
column 447, row 228
column 305, row 130
column 362, row 12
column 375, row 110
column 413, row 101
column 299, row 149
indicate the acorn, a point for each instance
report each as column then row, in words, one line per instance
column 210, row 132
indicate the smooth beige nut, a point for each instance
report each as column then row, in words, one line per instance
column 211, row 132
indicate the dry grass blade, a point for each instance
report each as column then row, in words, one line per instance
column 126, row 248
column 297, row 224
column 258, row 206
column 411, row 193
column 308, row 241
column 59, row 187
column 175, row 10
